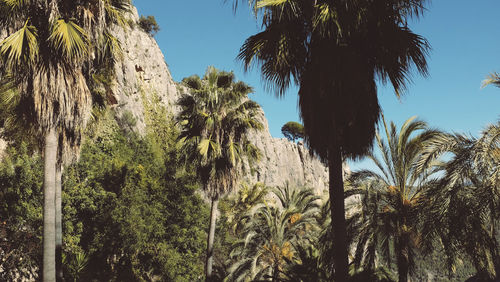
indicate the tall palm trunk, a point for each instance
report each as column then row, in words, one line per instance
column 276, row 272
column 59, row 271
column 210, row 241
column 336, row 188
column 402, row 262
column 49, row 217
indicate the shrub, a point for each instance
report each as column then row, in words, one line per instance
column 149, row 25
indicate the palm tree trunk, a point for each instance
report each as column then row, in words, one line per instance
column 276, row 272
column 492, row 220
column 336, row 188
column 49, row 217
column 59, row 271
column 210, row 241
column 402, row 261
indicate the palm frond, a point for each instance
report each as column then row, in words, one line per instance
column 116, row 10
column 15, row 4
column 21, row 47
column 492, row 79
column 69, row 38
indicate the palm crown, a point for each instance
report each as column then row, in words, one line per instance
column 215, row 119
column 273, row 234
column 393, row 198
column 466, row 203
column 335, row 50
column 53, row 49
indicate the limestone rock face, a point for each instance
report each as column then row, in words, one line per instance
column 284, row 161
column 143, row 71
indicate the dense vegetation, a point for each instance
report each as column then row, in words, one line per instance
column 135, row 206
column 109, row 231
column 131, row 213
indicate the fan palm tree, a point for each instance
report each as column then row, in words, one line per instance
column 321, row 46
column 466, row 203
column 393, row 198
column 51, row 49
column 215, row 118
column 272, row 235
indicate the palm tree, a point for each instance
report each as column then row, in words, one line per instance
column 233, row 210
column 466, row 203
column 215, row 118
column 393, row 198
column 53, row 47
column 321, row 46
column 273, row 234
column 237, row 206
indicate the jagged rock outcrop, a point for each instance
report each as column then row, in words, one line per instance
column 284, row 161
column 141, row 73
column 144, row 71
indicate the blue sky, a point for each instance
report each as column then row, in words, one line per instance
column 464, row 36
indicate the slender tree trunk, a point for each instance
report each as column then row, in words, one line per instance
column 59, row 271
column 495, row 248
column 402, row 253
column 49, row 216
column 492, row 220
column 210, row 241
column 276, row 272
column 336, row 188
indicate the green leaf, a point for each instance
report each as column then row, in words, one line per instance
column 15, row 4
column 232, row 152
column 21, row 46
column 266, row 3
column 215, row 147
column 203, row 147
column 69, row 38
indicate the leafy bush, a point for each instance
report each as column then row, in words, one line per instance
column 149, row 25
column 21, row 181
column 132, row 208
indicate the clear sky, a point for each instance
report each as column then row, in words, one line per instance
column 464, row 36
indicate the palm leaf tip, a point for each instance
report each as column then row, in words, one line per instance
column 493, row 78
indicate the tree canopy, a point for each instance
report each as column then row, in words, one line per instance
column 293, row 130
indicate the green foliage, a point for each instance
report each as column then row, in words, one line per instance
column 466, row 202
column 389, row 218
column 131, row 212
column 215, row 119
column 75, row 264
column 21, row 181
column 273, row 234
column 132, row 207
column 128, row 120
column 149, row 25
column 233, row 209
column 293, row 130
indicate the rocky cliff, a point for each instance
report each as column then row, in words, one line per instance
column 144, row 71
